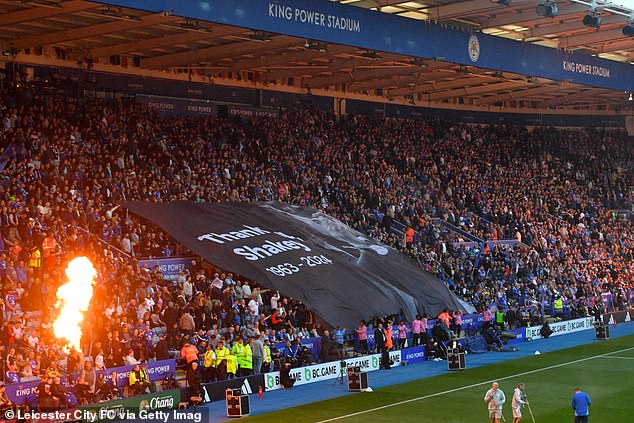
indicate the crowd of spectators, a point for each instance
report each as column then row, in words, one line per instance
column 67, row 164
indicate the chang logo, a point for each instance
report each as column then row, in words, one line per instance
column 474, row 48
column 307, row 374
column 161, row 402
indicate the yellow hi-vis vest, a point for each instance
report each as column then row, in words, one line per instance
column 232, row 364
column 247, row 358
column 221, row 354
column 210, row 358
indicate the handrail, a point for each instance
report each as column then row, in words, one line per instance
column 103, row 241
column 461, row 232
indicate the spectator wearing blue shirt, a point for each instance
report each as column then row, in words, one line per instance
column 580, row 403
column 290, row 354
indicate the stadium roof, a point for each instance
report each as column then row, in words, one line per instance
column 520, row 21
column 85, row 32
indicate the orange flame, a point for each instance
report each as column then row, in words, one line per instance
column 73, row 299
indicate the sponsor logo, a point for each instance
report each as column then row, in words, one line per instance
column 562, row 328
column 307, row 374
column 474, row 48
column 362, row 362
column 246, row 388
column 417, row 354
column 161, row 402
column 271, row 381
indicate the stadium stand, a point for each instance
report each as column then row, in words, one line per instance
column 67, row 164
column 527, row 225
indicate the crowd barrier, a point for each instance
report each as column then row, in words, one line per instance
column 215, row 391
column 562, row 328
column 20, row 393
column 368, row 363
column 618, row 317
column 156, row 370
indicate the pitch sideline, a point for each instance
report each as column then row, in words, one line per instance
column 554, row 366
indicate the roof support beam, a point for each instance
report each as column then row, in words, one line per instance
column 529, row 15
column 566, row 99
column 368, row 4
column 360, row 75
column 45, row 12
column 399, row 81
column 518, row 95
column 574, row 26
column 319, row 67
column 92, row 31
column 591, row 38
column 468, row 91
column 462, row 9
column 138, row 46
column 279, row 59
column 617, row 46
column 211, row 54
column 439, row 86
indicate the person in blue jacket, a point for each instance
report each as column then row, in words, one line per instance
column 580, row 403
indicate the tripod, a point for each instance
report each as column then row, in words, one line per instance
column 342, row 367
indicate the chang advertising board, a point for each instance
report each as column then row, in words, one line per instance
column 133, row 407
column 562, row 328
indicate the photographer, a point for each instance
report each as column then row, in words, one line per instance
column 440, row 331
column 545, row 331
column 305, row 355
column 285, row 378
column 326, row 347
column 432, row 350
column 492, row 337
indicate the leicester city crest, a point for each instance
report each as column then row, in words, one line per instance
column 474, row 48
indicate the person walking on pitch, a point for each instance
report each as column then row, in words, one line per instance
column 519, row 401
column 581, row 402
column 495, row 399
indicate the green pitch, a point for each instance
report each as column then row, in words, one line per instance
column 605, row 370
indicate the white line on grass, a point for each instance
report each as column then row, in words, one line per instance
column 620, row 357
column 473, row 385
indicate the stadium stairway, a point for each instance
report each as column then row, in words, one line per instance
column 305, row 394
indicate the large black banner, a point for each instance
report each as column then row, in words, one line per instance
column 338, row 272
